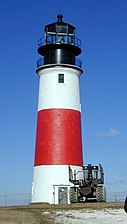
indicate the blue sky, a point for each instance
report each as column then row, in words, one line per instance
column 101, row 25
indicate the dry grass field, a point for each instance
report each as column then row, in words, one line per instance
column 45, row 213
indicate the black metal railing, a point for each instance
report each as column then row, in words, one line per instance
column 59, row 39
column 77, row 62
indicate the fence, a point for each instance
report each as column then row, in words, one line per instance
column 117, row 196
column 15, row 199
column 25, row 198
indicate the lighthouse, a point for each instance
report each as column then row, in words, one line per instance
column 58, row 148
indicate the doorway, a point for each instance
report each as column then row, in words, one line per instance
column 62, row 195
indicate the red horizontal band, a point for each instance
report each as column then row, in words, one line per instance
column 58, row 138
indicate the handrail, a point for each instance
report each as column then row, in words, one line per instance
column 77, row 62
column 59, row 39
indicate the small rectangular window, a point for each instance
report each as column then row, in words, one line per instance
column 61, row 78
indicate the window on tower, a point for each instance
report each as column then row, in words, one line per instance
column 61, row 78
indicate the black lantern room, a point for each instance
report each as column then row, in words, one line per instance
column 59, row 45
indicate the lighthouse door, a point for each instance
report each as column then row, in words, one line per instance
column 62, row 195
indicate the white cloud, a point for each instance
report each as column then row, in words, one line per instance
column 111, row 133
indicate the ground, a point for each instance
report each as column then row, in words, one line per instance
column 98, row 213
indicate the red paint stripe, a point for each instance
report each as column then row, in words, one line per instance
column 58, row 138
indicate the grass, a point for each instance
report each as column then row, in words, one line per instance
column 44, row 213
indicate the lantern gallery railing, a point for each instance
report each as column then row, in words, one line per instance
column 59, row 39
column 77, row 62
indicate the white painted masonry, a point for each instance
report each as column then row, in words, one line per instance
column 59, row 95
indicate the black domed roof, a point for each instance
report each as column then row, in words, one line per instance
column 59, row 26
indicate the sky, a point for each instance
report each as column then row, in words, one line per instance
column 101, row 26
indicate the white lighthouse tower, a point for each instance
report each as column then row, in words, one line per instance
column 58, row 152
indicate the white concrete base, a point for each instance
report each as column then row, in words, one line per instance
column 49, row 182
